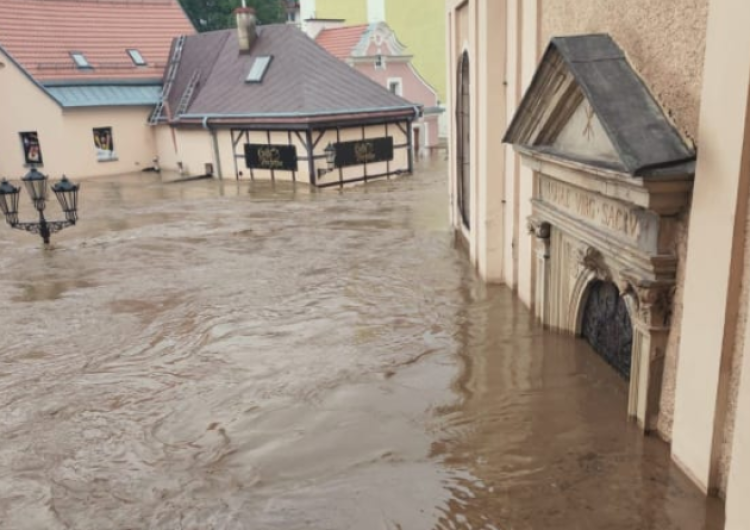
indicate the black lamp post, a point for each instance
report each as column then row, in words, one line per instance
column 37, row 186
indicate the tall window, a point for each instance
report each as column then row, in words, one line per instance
column 463, row 149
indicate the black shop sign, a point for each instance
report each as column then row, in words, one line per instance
column 276, row 157
column 364, row 151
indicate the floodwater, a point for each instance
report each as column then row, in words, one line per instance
column 223, row 355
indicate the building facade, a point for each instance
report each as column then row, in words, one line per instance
column 420, row 26
column 375, row 51
column 598, row 169
column 76, row 96
column 269, row 103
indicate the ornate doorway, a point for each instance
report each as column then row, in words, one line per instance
column 606, row 326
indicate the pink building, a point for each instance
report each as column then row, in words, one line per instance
column 374, row 50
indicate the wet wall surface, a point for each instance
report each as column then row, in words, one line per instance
column 223, row 355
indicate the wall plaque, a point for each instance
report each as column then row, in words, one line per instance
column 276, row 157
column 364, row 151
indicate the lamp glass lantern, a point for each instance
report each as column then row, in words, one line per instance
column 9, row 201
column 36, row 185
column 67, row 195
column 330, row 152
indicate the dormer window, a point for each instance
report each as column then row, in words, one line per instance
column 137, row 58
column 258, row 69
column 80, row 59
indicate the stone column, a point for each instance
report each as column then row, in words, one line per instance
column 650, row 307
column 542, row 231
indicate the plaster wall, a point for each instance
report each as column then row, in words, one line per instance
column 165, row 147
column 26, row 107
column 66, row 136
column 414, row 89
column 194, row 150
column 133, row 141
column 715, row 247
column 529, row 61
column 737, row 359
column 512, row 162
column 664, row 41
column 492, row 120
column 737, row 509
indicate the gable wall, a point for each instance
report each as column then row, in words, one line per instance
column 26, row 107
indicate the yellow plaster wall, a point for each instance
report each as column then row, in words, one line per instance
column 421, row 27
column 353, row 11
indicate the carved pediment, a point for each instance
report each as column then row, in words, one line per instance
column 587, row 104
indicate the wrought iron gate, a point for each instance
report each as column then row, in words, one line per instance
column 606, row 326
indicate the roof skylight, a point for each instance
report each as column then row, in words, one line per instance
column 258, row 69
column 137, row 58
column 80, row 60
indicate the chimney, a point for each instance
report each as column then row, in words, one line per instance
column 246, row 27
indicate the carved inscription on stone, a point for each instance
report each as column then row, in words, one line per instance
column 596, row 210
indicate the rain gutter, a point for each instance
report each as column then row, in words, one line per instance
column 298, row 114
column 215, row 142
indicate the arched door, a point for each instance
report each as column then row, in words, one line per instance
column 463, row 147
column 606, row 326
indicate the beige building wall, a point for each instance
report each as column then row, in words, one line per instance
column 737, row 509
column 24, row 106
column 193, row 148
column 715, row 250
column 133, row 139
column 66, row 135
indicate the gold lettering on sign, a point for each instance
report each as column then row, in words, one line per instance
column 591, row 208
column 269, row 158
column 364, row 152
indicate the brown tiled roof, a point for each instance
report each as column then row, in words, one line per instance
column 340, row 42
column 302, row 80
column 40, row 34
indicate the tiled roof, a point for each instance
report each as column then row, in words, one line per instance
column 340, row 42
column 303, row 81
column 106, row 95
column 40, row 34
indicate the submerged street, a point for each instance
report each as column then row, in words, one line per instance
column 237, row 355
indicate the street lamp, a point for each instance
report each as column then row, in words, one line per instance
column 330, row 152
column 37, row 187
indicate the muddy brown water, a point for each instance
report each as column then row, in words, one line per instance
column 223, row 355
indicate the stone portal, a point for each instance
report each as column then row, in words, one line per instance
column 611, row 178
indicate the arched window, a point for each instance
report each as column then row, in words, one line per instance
column 463, row 149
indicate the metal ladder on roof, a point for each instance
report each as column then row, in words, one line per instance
column 187, row 96
column 174, row 64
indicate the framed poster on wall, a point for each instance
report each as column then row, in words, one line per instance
column 32, row 151
column 104, row 144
